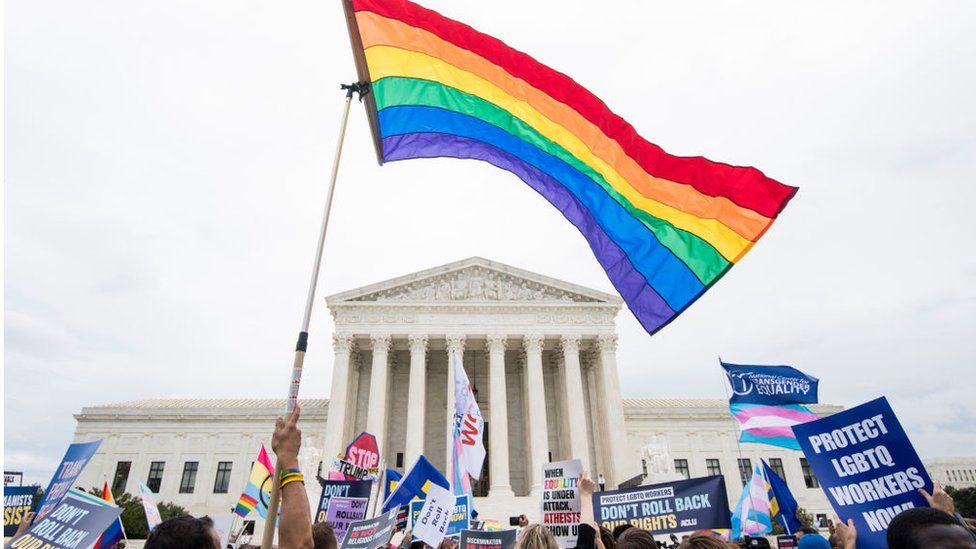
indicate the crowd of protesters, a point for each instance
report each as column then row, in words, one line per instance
column 937, row 526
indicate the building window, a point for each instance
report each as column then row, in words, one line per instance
column 745, row 470
column 121, row 476
column 189, row 477
column 808, row 477
column 713, row 467
column 681, row 467
column 399, row 460
column 776, row 464
column 821, row 520
column 155, row 476
column 222, row 482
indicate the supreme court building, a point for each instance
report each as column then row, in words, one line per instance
column 541, row 354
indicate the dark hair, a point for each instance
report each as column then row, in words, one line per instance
column 184, row 532
column 606, row 536
column 636, row 538
column 620, row 529
column 323, row 536
column 904, row 528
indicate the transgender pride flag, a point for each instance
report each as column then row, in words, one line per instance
column 768, row 400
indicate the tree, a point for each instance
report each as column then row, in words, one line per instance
column 806, row 519
column 964, row 499
column 134, row 516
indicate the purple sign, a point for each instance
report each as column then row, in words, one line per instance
column 344, row 511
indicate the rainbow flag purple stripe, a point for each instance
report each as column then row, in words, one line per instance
column 763, row 424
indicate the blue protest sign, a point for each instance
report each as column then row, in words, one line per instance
column 71, row 524
column 770, row 385
column 17, row 502
column 72, row 464
column 677, row 506
column 341, row 488
column 460, row 515
column 867, row 467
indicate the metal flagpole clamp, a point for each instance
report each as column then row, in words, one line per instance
column 362, row 88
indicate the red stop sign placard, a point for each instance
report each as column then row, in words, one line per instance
column 364, row 451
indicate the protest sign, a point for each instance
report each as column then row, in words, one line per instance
column 346, row 470
column 403, row 517
column 341, row 488
column 344, row 511
column 72, row 524
column 676, row 506
column 371, row 533
column 866, row 465
column 431, row 524
column 13, row 478
column 478, row 539
column 460, row 514
column 364, row 451
column 72, row 463
column 149, row 504
column 560, row 500
column 17, row 502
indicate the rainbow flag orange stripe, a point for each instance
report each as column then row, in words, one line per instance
column 664, row 228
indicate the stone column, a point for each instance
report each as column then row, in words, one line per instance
column 497, row 392
column 538, row 426
column 455, row 344
column 338, row 403
column 616, row 452
column 596, row 417
column 355, row 371
column 575, row 403
column 378, row 376
column 417, row 395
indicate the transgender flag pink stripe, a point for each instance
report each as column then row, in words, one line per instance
column 771, row 432
column 777, row 411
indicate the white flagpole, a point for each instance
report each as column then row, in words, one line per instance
column 302, row 345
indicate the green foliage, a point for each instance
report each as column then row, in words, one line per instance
column 806, row 519
column 134, row 516
column 965, row 500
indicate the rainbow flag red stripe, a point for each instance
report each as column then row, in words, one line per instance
column 664, row 228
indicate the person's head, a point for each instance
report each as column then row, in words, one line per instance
column 620, row 529
column 835, row 542
column 536, row 536
column 702, row 541
column 636, row 538
column 323, row 536
column 447, row 543
column 606, row 536
column 927, row 527
column 184, row 532
column 813, row 541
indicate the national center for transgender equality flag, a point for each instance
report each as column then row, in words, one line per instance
column 768, row 400
column 257, row 493
column 664, row 228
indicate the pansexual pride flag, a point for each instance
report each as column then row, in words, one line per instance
column 257, row 493
column 664, row 228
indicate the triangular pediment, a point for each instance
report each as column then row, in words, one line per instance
column 474, row 280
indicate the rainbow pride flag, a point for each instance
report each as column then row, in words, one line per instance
column 664, row 228
column 114, row 533
column 257, row 493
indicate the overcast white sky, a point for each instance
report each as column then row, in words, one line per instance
column 166, row 163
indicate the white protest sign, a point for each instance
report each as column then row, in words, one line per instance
column 560, row 500
column 435, row 516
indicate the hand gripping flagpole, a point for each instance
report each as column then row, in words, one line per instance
column 302, row 345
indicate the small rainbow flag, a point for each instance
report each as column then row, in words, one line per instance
column 664, row 228
column 258, row 490
column 114, row 533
